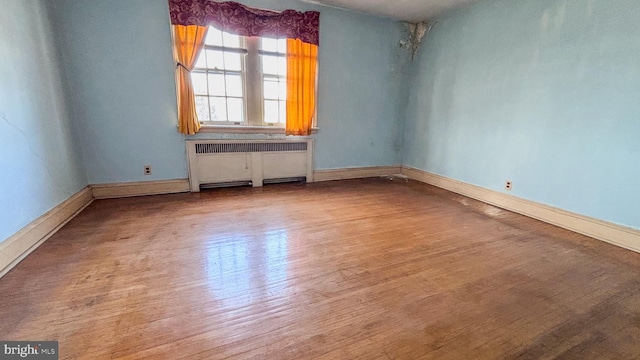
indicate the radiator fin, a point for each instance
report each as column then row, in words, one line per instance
column 218, row 148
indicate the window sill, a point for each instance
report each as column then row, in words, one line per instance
column 223, row 129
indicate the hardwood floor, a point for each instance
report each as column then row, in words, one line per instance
column 361, row 269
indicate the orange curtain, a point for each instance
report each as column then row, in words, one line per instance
column 188, row 41
column 302, row 60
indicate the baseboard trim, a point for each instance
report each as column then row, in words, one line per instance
column 142, row 188
column 19, row 245
column 619, row 235
column 355, row 173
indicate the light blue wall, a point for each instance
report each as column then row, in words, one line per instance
column 360, row 67
column 119, row 62
column 541, row 92
column 40, row 165
column 120, row 70
column 545, row 93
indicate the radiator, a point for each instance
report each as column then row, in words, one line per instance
column 248, row 161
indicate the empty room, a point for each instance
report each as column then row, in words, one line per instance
column 320, row 179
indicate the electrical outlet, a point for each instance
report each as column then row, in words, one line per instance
column 508, row 185
column 147, row 169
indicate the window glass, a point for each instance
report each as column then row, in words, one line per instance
column 199, row 81
column 232, row 61
column 215, row 59
column 274, row 45
column 235, row 107
column 224, row 90
column 234, row 85
column 274, row 65
column 271, row 113
column 214, row 37
column 271, row 88
column 217, row 84
column 230, row 40
column 202, row 108
column 218, row 108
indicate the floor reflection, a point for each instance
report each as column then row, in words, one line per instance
column 245, row 268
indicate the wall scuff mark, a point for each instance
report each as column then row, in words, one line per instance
column 416, row 31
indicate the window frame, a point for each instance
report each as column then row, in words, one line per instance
column 207, row 71
column 253, row 89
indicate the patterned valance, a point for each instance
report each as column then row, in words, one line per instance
column 242, row 20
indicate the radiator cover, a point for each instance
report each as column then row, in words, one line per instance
column 230, row 161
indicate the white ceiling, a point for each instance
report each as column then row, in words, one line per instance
column 407, row 10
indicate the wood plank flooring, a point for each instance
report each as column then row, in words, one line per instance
column 362, row 269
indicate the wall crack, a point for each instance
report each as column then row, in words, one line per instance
column 35, row 153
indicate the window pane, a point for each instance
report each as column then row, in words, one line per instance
column 274, row 45
column 283, row 89
column 202, row 108
column 282, row 45
column 270, row 89
column 230, row 40
column 271, row 111
column 215, row 59
column 214, row 37
column 283, row 112
column 199, row 81
column 234, row 85
column 218, row 109
column 232, row 61
column 202, row 60
column 269, row 65
column 269, row 44
column 274, row 65
column 216, row 85
column 236, row 109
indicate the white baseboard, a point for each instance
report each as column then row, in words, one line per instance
column 118, row 190
column 355, row 173
column 19, row 245
column 619, row 235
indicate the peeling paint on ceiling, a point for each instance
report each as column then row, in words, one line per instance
column 416, row 31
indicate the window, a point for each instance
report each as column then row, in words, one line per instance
column 274, row 80
column 241, row 80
